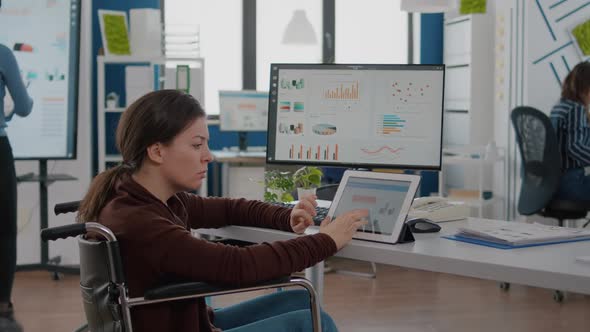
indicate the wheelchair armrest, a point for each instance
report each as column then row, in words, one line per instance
column 193, row 289
column 66, row 207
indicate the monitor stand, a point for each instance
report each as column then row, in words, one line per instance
column 243, row 141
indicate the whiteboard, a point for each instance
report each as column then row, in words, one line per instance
column 44, row 37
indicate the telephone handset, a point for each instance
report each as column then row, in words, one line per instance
column 438, row 209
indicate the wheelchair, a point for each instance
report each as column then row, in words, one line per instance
column 107, row 305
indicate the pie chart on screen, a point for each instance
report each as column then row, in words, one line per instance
column 324, row 129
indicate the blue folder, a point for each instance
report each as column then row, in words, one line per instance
column 506, row 246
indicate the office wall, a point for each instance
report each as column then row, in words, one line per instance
column 534, row 52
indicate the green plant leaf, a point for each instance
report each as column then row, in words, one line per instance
column 307, row 177
column 270, row 197
column 315, row 179
column 287, row 197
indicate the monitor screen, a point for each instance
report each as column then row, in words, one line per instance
column 243, row 110
column 44, row 38
column 383, row 198
column 366, row 116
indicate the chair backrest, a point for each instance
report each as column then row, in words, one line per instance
column 100, row 306
column 541, row 160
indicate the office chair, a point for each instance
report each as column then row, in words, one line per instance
column 107, row 305
column 541, row 172
column 541, row 162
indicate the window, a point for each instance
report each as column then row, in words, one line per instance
column 220, row 25
column 272, row 18
column 366, row 32
column 373, row 31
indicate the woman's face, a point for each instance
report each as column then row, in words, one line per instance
column 185, row 159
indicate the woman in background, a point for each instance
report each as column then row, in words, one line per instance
column 571, row 120
column 10, row 78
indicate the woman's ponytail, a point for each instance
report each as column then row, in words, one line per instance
column 100, row 192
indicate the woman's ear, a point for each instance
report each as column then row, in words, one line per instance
column 155, row 153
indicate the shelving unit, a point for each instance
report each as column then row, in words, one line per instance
column 469, row 80
column 160, row 67
column 474, row 159
column 469, row 106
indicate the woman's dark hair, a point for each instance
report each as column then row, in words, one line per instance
column 577, row 83
column 156, row 117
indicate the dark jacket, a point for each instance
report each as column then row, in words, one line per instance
column 157, row 247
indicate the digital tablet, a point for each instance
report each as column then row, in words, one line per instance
column 387, row 196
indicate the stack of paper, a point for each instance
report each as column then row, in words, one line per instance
column 518, row 234
column 145, row 31
column 138, row 81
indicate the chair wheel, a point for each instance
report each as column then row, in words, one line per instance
column 505, row 286
column 558, row 296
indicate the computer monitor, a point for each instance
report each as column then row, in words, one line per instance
column 243, row 111
column 359, row 116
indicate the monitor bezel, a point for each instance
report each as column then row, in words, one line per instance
column 272, row 113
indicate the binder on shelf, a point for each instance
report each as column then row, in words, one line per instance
column 183, row 78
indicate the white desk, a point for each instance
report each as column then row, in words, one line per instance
column 225, row 158
column 552, row 267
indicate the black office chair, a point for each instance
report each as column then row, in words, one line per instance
column 541, row 172
column 107, row 304
column 541, row 162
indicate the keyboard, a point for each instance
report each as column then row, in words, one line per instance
column 321, row 212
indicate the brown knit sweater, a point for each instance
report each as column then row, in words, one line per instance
column 157, row 248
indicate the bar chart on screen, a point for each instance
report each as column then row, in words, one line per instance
column 342, row 91
column 326, row 152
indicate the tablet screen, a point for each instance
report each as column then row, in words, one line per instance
column 383, row 198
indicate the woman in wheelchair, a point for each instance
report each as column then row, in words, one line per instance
column 163, row 138
column 571, row 120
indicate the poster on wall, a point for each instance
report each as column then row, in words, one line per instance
column 580, row 34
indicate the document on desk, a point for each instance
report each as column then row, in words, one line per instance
column 506, row 235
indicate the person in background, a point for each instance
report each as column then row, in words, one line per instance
column 22, row 105
column 571, row 120
column 163, row 138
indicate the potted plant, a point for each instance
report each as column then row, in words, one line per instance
column 307, row 179
column 112, row 100
column 279, row 186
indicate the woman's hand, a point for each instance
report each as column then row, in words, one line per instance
column 303, row 213
column 344, row 226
